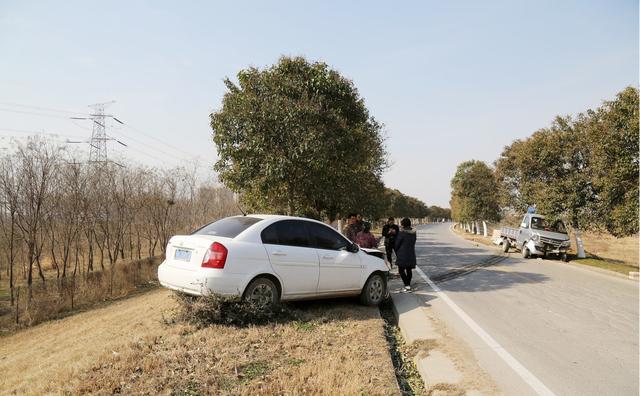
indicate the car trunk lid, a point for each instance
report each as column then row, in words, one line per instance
column 187, row 251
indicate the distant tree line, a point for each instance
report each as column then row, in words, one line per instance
column 581, row 169
column 76, row 218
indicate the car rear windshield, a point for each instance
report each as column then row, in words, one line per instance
column 230, row 227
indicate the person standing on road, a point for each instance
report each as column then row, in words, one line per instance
column 390, row 232
column 365, row 238
column 351, row 229
column 405, row 247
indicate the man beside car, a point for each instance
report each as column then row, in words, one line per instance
column 351, row 229
column 390, row 232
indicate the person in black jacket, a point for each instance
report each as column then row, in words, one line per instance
column 390, row 232
column 405, row 247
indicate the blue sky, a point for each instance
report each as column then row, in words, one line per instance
column 452, row 81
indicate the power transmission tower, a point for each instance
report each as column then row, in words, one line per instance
column 98, row 143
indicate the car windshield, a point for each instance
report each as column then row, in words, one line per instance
column 538, row 223
column 229, row 227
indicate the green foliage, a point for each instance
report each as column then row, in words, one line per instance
column 613, row 140
column 400, row 205
column 436, row 212
column 296, row 138
column 474, row 193
column 584, row 169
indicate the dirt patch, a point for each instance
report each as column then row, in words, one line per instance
column 134, row 346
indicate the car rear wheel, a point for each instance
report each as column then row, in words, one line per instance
column 263, row 292
column 374, row 291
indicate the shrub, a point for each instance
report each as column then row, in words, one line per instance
column 228, row 310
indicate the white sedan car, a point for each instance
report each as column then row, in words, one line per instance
column 268, row 258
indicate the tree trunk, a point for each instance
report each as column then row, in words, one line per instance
column 484, row 228
column 579, row 244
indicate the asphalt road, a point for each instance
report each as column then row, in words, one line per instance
column 572, row 329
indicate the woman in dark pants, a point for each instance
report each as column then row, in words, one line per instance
column 405, row 247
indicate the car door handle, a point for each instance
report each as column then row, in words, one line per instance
column 278, row 253
column 328, row 257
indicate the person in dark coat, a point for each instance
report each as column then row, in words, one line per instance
column 351, row 229
column 390, row 232
column 405, row 247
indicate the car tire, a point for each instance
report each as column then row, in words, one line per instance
column 263, row 292
column 374, row 291
column 505, row 245
column 526, row 253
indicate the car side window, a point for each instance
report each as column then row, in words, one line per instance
column 324, row 237
column 286, row 232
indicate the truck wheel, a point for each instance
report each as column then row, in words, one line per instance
column 525, row 251
column 505, row 245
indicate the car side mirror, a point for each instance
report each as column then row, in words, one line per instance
column 353, row 248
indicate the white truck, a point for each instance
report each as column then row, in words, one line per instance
column 537, row 237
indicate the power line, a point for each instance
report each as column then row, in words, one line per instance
column 172, row 146
column 11, row 104
column 99, row 136
column 34, row 113
column 154, row 148
column 40, row 132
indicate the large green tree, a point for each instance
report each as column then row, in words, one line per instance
column 474, row 194
column 582, row 169
column 297, row 138
column 613, row 140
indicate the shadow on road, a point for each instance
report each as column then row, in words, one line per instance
column 456, row 266
column 491, row 279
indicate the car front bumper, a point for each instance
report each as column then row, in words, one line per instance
column 543, row 248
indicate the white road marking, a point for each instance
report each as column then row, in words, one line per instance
column 522, row 371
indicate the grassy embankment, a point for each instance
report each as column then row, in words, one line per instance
column 56, row 297
column 142, row 346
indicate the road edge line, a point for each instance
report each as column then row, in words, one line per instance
column 516, row 366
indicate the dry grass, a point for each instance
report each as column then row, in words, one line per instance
column 59, row 297
column 620, row 250
column 334, row 347
column 40, row 357
column 606, row 264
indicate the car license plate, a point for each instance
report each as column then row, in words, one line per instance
column 183, row 255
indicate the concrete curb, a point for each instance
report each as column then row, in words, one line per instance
column 436, row 368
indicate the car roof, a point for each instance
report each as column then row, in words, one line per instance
column 276, row 217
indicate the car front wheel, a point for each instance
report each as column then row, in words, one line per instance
column 263, row 292
column 374, row 291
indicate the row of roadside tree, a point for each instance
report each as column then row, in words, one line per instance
column 582, row 169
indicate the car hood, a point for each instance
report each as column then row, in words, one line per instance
column 552, row 235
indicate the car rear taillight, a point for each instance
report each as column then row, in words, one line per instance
column 215, row 257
